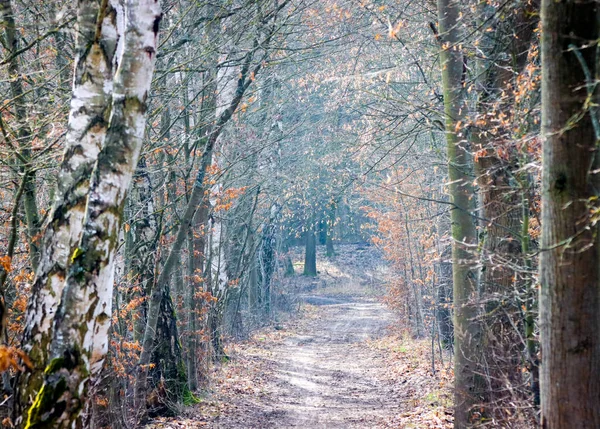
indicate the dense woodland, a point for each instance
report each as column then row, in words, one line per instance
column 160, row 161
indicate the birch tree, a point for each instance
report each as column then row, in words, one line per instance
column 80, row 325
column 88, row 123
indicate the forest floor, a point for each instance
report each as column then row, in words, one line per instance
column 337, row 363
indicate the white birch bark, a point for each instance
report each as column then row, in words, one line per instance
column 87, row 125
column 80, row 335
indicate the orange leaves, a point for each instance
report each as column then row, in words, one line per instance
column 226, row 198
column 9, row 357
column 534, row 228
column 244, row 106
column 479, row 154
column 502, row 152
column 206, row 297
column 5, row 262
column 20, row 304
column 458, row 126
column 131, row 345
column 405, row 231
column 213, row 170
column 101, row 401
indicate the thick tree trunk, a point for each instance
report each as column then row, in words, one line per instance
column 169, row 376
column 288, row 264
column 143, row 249
column 329, row 249
column 569, row 269
column 330, row 229
column 267, row 255
column 466, row 331
column 88, row 121
column 80, row 335
column 504, row 56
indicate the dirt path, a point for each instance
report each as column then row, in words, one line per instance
column 333, row 365
column 323, row 376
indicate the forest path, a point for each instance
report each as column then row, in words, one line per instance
column 337, row 362
column 324, row 378
column 321, row 375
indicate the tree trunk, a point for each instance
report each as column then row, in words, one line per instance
column 142, row 255
column 197, row 284
column 310, row 254
column 80, row 336
column 444, row 287
column 504, row 55
column 288, row 263
column 330, row 228
column 569, row 274
column 88, row 121
column 169, row 376
column 267, row 255
column 466, row 332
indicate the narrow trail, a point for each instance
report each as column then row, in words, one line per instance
column 323, row 379
column 322, row 376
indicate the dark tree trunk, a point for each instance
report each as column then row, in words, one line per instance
column 330, row 228
column 504, row 55
column 169, row 375
column 267, row 259
column 569, row 274
column 289, row 265
column 444, row 302
column 310, row 255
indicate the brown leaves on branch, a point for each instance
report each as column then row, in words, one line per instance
column 5, row 262
column 9, row 359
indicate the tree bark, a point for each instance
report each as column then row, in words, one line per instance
column 466, row 332
column 330, row 227
column 80, row 329
column 504, row 55
column 141, row 256
column 88, row 121
column 169, row 374
column 310, row 254
column 569, row 269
